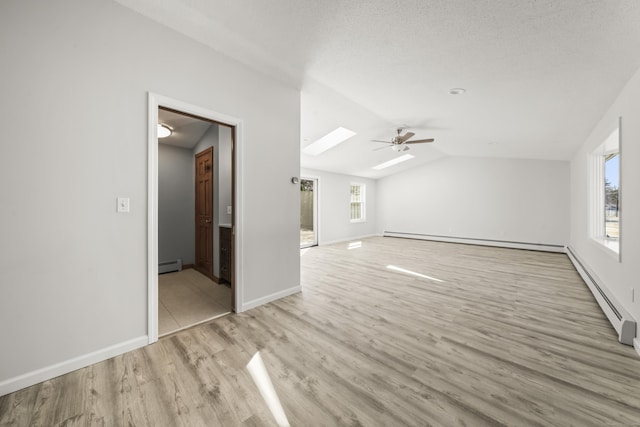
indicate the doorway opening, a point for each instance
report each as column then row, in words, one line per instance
column 308, row 212
column 194, row 205
column 192, row 216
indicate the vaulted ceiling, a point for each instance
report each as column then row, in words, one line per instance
column 538, row 74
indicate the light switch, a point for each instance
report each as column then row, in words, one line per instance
column 228, row 210
column 123, row 204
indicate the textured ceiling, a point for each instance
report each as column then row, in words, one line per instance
column 538, row 73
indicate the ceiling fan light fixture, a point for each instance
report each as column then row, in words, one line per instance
column 399, row 148
column 457, row 91
column 164, row 130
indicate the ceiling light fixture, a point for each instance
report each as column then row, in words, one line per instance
column 164, row 130
column 400, row 147
column 394, row 162
column 328, row 141
column 457, row 91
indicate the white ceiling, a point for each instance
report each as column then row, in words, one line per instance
column 539, row 73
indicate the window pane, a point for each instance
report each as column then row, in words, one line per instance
column 605, row 191
column 611, row 196
column 356, row 210
column 356, row 207
column 307, row 212
column 355, row 193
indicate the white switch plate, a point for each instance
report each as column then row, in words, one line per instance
column 228, row 210
column 123, row 204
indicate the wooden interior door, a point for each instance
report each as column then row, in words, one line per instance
column 204, row 212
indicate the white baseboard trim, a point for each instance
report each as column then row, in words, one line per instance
column 636, row 345
column 545, row 247
column 43, row 374
column 350, row 239
column 277, row 295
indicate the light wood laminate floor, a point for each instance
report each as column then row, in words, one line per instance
column 187, row 297
column 480, row 336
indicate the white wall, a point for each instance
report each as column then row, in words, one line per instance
column 619, row 277
column 208, row 139
column 224, row 173
column 480, row 198
column 75, row 80
column 333, row 206
column 176, row 204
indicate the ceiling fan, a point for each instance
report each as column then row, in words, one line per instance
column 399, row 142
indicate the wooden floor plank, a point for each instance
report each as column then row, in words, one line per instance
column 465, row 335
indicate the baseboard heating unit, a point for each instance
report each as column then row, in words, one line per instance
column 545, row 247
column 621, row 320
column 170, row 266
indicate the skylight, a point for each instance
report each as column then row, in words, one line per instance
column 328, row 141
column 394, row 161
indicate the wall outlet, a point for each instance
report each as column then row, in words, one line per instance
column 632, row 293
column 228, row 210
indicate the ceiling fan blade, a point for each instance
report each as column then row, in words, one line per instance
column 406, row 136
column 382, row 148
column 377, row 140
column 420, row 141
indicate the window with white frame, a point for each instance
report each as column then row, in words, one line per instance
column 605, row 192
column 357, row 205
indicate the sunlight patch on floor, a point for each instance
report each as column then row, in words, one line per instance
column 412, row 273
column 354, row 245
column 261, row 377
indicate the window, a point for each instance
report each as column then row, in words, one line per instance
column 605, row 192
column 357, row 206
column 612, row 196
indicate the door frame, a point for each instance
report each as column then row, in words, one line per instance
column 154, row 101
column 316, row 234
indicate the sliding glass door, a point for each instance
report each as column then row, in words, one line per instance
column 308, row 212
